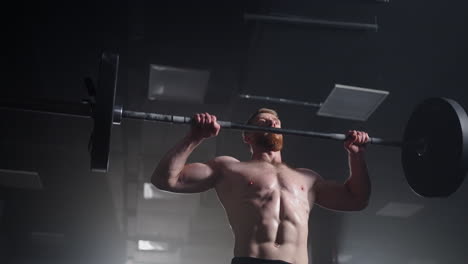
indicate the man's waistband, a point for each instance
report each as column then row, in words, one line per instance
column 250, row 260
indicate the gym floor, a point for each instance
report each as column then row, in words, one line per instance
column 66, row 214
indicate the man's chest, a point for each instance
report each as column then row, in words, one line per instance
column 269, row 189
column 263, row 177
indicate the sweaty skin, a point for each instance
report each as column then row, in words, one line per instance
column 268, row 208
column 267, row 202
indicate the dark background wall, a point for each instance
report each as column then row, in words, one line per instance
column 419, row 51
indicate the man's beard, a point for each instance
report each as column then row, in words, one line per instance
column 269, row 141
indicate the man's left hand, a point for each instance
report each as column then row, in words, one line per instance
column 356, row 141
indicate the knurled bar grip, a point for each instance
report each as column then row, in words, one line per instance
column 237, row 126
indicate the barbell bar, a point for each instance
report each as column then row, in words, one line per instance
column 434, row 146
column 120, row 113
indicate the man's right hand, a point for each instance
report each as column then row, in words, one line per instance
column 204, row 126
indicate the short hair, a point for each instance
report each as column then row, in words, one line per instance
column 256, row 113
column 261, row 111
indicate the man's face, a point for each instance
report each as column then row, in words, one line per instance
column 267, row 141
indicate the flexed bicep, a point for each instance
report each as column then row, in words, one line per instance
column 199, row 177
column 194, row 178
column 336, row 196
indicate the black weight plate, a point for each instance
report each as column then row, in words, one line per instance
column 103, row 112
column 438, row 167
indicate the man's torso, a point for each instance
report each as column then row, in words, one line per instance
column 268, row 208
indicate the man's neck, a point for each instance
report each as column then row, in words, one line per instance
column 267, row 156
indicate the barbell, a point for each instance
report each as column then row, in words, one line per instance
column 434, row 149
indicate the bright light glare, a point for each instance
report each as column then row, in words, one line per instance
column 151, row 192
column 152, row 245
column 147, row 191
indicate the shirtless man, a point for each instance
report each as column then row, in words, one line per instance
column 266, row 201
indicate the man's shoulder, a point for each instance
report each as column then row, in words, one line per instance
column 224, row 160
column 308, row 172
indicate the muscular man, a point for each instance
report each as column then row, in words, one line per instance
column 267, row 202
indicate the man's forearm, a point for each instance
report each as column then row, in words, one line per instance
column 173, row 162
column 358, row 182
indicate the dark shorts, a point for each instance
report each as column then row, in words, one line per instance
column 249, row 260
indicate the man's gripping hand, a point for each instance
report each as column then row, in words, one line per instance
column 356, row 141
column 204, row 126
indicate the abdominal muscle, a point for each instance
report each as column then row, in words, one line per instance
column 269, row 223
